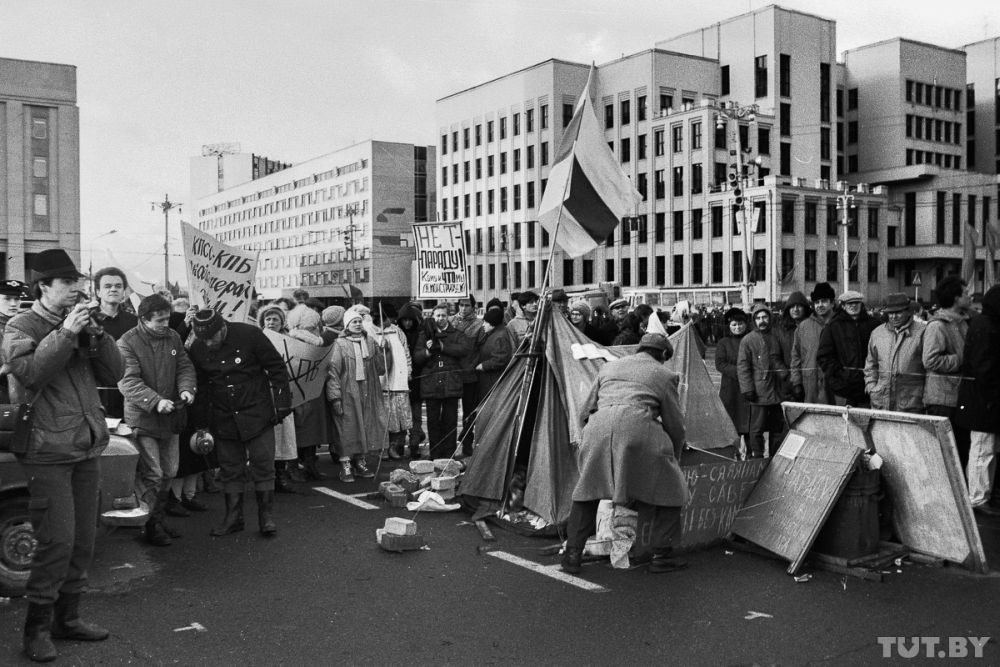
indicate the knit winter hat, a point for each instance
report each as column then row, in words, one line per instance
column 272, row 309
column 582, row 307
column 353, row 313
column 333, row 316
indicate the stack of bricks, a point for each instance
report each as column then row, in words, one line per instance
column 399, row 535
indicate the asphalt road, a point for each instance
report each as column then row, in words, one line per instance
column 322, row 592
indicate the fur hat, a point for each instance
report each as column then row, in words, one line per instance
column 306, row 319
column 494, row 303
column 207, row 323
column 735, row 314
column 333, row 316
column 582, row 307
column 493, row 317
column 823, row 291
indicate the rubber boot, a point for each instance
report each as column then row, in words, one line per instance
column 571, row 560
column 265, row 516
column 68, row 625
column 233, row 522
column 38, row 644
column 162, row 499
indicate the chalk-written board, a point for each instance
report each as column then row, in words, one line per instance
column 921, row 474
column 717, row 492
column 795, row 495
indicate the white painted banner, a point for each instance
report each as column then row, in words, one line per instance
column 220, row 276
column 440, row 260
column 305, row 364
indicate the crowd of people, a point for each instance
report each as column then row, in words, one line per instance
column 834, row 350
column 183, row 377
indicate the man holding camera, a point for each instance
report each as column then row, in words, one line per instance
column 439, row 353
column 58, row 355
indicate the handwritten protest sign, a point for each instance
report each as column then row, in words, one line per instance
column 220, row 276
column 306, row 365
column 440, row 260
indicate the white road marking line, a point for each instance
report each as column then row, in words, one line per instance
column 346, row 498
column 549, row 571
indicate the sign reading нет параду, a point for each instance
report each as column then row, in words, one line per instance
column 440, row 260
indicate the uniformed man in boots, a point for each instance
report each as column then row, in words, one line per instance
column 242, row 394
column 58, row 355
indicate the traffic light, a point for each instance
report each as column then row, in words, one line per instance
column 736, row 184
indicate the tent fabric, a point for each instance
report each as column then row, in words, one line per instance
column 556, row 399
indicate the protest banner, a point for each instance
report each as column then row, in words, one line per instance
column 220, row 276
column 306, row 365
column 440, row 260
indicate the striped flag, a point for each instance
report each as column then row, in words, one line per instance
column 969, row 256
column 992, row 234
column 587, row 193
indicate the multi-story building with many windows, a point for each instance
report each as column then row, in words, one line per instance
column 39, row 163
column 983, row 105
column 665, row 113
column 907, row 124
column 340, row 220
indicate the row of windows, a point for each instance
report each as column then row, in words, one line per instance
column 474, row 169
column 945, row 160
column 504, row 197
column 933, row 129
column 932, row 95
column 334, row 192
column 625, row 109
column 341, row 189
column 475, row 133
column 315, row 279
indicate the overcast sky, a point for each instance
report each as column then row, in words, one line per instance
column 294, row 79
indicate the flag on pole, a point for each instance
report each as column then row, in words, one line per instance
column 992, row 234
column 969, row 256
column 587, row 192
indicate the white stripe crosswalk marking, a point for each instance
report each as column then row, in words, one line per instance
column 552, row 571
column 346, row 498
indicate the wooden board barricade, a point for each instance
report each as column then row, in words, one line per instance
column 921, row 473
column 795, row 495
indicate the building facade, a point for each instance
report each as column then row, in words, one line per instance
column 330, row 224
column 666, row 114
column 983, row 105
column 223, row 166
column 39, row 163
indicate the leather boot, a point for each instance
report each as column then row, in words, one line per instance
column 571, row 560
column 67, row 623
column 664, row 562
column 233, row 522
column 155, row 535
column 265, row 517
column 38, row 644
column 282, row 482
column 397, row 443
column 160, row 511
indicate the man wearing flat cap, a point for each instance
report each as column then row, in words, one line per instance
column 242, row 394
column 843, row 348
column 630, row 450
column 58, row 356
column 894, row 370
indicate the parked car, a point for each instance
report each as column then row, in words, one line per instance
column 119, row 505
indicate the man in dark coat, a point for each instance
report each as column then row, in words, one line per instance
column 843, row 348
column 493, row 354
column 726, row 354
column 465, row 320
column 57, row 355
column 979, row 399
column 796, row 310
column 242, row 394
column 439, row 353
column 763, row 376
column 630, row 451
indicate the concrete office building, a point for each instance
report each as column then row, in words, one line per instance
column 908, row 119
column 983, row 105
column 222, row 166
column 39, row 163
column 335, row 222
column 661, row 109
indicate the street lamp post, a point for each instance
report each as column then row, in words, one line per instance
column 166, row 206
column 352, row 210
column 728, row 117
column 845, row 202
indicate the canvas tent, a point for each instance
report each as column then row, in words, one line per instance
column 547, row 400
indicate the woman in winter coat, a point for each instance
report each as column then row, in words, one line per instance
column 494, row 353
column 628, row 334
column 312, row 418
column 726, row 354
column 579, row 317
column 159, row 381
column 410, row 321
column 395, row 382
column 355, row 394
column 286, row 468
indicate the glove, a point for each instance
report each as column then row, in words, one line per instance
column 280, row 414
column 751, row 396
column 338, row 408
column 798, row 392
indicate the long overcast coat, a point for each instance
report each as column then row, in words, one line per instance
column 626, row 453
column 362, row 426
